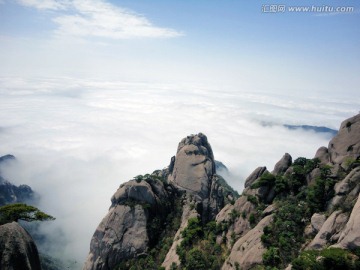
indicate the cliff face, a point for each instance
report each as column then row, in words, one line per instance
column 187, row 216
column 17, row 249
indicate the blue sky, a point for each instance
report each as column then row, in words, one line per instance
column 221, row 43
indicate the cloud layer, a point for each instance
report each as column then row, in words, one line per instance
column 76, row 141
column 99, row 19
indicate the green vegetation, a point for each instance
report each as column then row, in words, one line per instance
column 297, row 202
column 267, row 179
column 199, row 249
column 326, row 259
column 21, row 211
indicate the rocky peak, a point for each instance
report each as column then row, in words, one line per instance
column 194, row 165
column 17, row 248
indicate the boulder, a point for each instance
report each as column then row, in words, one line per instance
column 17, row 249
column 323, row 155
column 282, row 165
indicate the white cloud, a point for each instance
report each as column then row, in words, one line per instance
column 45, row 4
column 78, row 140
column 97, row 18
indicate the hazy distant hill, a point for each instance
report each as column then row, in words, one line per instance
column 333, row 132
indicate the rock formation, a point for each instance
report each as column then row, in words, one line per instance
column 305, row 204
column 17, row 249
column 125, row 231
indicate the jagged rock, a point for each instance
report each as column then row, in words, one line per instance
column 323, row 155
column 329, row 230
column 346, row 144
column 248, row 250
column 254, row 176
column 282, row 165
column 17, row 249
column 350, row 236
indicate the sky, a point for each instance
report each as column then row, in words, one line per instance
column 93, row 93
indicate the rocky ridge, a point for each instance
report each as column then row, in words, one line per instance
column 303, row 206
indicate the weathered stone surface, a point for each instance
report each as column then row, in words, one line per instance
column 194, row 165
column 239, row 225
column 323, row 155
column 282, row 165
column 317, row 220
column 248, row 250
column 346, row 144
column 17, row 249
column 346, row 191
column 353, row 178
column 254, row 175
column 331, row 227
column 350, row 236
column 121, row 235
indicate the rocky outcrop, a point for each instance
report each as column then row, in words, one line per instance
column 323, row 155
column 248, row 250
column 123, row 233
column 289, row 195
column 254, row 176
column 329, row 232
column 17, row 249
column 346, row 191
column 282, row 165
column 127, row 231
column 346, row 144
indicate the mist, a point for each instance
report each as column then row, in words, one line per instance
column 77, row 140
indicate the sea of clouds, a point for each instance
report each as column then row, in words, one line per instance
column 77, row 140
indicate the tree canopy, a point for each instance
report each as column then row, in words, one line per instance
column 21, row 211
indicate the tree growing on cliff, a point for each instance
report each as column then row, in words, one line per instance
column 21, row 211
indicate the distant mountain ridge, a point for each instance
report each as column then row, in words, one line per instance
column 319, row 129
